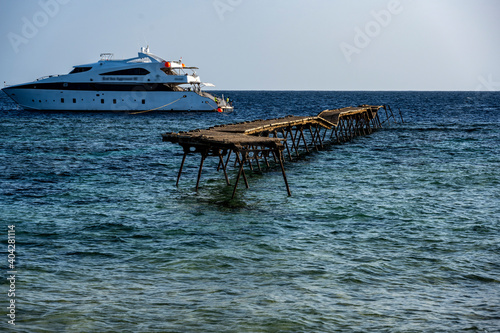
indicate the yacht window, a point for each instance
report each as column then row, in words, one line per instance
column 80, row 70
column 74, row 100
column 114, row 101
column 62, row 100
column 102, row 101
column 130, row 71
column 143, row 101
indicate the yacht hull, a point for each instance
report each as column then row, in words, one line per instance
column 46, row 99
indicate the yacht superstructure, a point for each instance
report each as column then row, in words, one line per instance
column 144, row 83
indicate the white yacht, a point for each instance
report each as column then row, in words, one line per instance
column 142, row 84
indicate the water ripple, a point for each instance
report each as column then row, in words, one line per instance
column 394, row 232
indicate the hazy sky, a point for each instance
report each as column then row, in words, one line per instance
column 266, row 45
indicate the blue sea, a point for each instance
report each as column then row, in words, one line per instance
column 397, row 231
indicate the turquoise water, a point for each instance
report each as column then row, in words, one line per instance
column 394, row 232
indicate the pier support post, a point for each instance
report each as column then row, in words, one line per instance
column 204, row 155
column 180, row 169
column 401, row 116
column 241, row 172
column 303, row 138
column 221, row 162
column 285, row 136
column 280, row 156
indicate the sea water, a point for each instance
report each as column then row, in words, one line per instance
column 398, row 231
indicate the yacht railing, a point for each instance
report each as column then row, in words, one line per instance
column 107, row 56
column 47, row 76
column 205, row 94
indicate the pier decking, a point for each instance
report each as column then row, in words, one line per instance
column 263, row 143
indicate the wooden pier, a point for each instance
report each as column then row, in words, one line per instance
column 262, row 144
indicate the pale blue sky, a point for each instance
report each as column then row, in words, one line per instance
column 266, row 45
